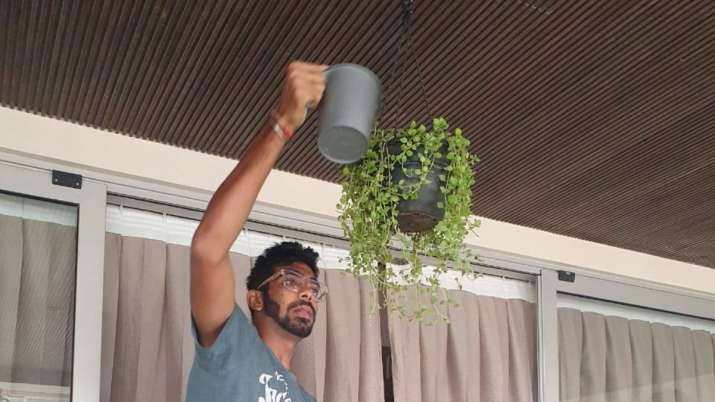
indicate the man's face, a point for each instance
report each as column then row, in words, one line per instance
column 293, row 310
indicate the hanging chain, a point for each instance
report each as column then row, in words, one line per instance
column 395, row 70
column 405, row 48
column 416, row 60
column 403, row 60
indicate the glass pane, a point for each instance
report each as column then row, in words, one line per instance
column 38, row 249
column 614, row 352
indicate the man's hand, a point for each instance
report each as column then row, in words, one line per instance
column 302, row 89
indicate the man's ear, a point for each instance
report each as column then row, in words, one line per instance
column 255, row 300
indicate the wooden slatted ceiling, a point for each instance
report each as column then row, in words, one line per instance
column 593, row 119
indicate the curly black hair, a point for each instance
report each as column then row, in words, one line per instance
column 280, row 254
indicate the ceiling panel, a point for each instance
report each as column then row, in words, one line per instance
column 592, row 119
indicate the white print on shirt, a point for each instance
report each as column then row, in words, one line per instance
column 272, row 394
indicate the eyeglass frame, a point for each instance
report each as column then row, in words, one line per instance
column 282, row 273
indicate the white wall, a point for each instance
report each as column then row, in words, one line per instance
column 107, row 152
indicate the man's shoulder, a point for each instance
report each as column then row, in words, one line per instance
column 237, row 338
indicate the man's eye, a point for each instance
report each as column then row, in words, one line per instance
column 290, row 282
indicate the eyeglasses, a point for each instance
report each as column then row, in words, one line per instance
column 296, row 283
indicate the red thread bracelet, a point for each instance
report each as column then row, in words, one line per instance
column 280, row 127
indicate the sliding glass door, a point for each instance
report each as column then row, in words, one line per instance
column 51, row 257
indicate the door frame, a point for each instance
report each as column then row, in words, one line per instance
column 91, row 202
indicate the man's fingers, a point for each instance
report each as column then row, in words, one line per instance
column 311, row 77
column 312, row 91
column 302, row 90
column 317, row 95
column 315, row 79
column 308, row 67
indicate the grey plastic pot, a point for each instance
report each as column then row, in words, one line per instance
column 422, row 213
column 347, row 117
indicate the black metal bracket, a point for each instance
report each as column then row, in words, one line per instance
column 567, row 276
column 65, row 179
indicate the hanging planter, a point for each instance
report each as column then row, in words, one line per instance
column 410, row 198
column 412, row 187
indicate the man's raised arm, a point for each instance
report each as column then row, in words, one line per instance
column 212, row 281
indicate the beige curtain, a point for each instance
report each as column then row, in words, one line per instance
column 486, row 353
column 613, row 359
column 37, row 283
column 147, row 344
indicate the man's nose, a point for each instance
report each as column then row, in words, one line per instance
column 306, row 294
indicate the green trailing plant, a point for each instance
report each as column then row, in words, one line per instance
column 369, row 214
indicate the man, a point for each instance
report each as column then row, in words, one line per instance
column 235, row 360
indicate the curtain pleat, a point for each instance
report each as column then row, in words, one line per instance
column 371, row 385
column 31, row 323
column 485, row 352
column 37, row 285
column 176, row 323
column 463, row 372
column 571, row 343
column 110, row 311
column 11, row 240
column 686, row 383
column 494, row 347
column 433, row 365
column 619, row 372
column 593, row 363
column 406, row 360
column 129, row 310
column 522, row 350
column 152, row 290
column 704, row 365
column 340, row 356
column 663, row 363
column 617, row 360
column 711, row 388
column 147, row 345
column 641, row 341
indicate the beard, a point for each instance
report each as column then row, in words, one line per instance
column 296, row 326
